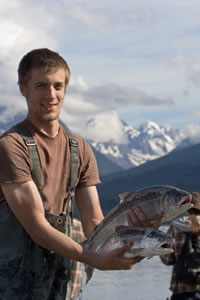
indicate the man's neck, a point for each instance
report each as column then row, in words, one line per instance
column 48, row 128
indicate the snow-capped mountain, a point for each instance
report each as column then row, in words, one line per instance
column 7, row 119
column 135, row 145
column 148, row 142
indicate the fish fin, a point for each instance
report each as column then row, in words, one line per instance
column 138, row 252
column 89, row 272
column 125, row 196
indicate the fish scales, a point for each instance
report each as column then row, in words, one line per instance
column 158, row 202
column 162, row 203
column 146, row 241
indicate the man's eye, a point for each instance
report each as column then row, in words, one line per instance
column 40, row 86
column 58, row 86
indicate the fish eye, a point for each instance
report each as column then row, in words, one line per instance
column 173, row 193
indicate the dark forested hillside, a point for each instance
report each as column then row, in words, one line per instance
column 179, row 168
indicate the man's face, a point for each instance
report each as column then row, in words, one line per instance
column 44, row 93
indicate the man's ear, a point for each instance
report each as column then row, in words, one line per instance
column 22, row 89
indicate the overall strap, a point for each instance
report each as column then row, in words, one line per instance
column 75, row 162
column 74, row 168
column 34, row 155
column 36, row 163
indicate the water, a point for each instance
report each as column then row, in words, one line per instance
column 148, row 280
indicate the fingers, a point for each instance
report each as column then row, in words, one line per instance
column 137, row 259
column 121, row 251
column 132, row 218
column 128, row 263
column 115, row 260
column 137, row 217
column 122, row 262
column 156, row 224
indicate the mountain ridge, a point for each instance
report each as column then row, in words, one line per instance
column 139, row 145
column 146, row 143
column 179, row 168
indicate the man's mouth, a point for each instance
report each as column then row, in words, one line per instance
column 49, row 107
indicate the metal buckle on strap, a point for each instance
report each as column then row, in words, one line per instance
column 73, row 142
column 30, row 142
column 71, row 192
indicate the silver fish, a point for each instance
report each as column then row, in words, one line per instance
column 157, row 203
column 146, row 241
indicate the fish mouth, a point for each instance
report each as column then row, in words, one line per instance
column 167, row 245
column 186, row 200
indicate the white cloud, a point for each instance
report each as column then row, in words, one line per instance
column 84, row 103
column 125, row 47
column 13, row 105
column 192, row 131
column 77, row 83
column 9, row 5
column 91, row 121
column 113, row 95
column 180, row 60
column 104, row 127
column 117, row 17
column 19, row 34
column 107, row 127
column 195, row 76
column 9, row 34
column 89, row 17
column 190, row 69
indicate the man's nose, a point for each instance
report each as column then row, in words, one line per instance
column 50, row 92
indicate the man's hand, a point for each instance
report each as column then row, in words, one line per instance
column 137, row 217
column 114, row 260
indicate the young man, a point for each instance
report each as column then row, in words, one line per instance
column 34, row 254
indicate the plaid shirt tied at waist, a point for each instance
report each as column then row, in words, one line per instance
column 76, row 269
column 170, row 259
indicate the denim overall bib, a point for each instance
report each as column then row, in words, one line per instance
column 28, row 271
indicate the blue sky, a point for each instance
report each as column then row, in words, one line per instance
column 130, row 60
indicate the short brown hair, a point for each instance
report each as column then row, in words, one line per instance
column 42, row 58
